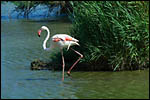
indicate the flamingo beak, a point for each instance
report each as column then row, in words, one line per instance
column 39, row 32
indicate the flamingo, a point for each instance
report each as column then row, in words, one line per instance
column 60, row 41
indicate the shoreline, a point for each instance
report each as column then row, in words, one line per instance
column 41, row 65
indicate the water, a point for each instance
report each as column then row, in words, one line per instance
column 20, row 45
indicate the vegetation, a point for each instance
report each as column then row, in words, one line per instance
column 26, row 7
column 113, row 33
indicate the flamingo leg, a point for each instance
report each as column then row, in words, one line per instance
column 81, row 56
column 63, row 65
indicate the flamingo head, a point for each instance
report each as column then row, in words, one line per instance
column 40, row 30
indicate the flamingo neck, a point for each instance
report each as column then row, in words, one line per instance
column 45, row 41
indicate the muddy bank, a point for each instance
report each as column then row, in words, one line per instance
column 41, row 65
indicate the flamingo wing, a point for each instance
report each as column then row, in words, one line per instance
column 63, row 37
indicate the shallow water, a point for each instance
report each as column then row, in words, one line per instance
column 20, row 45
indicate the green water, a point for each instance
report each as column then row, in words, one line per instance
column 20, row 45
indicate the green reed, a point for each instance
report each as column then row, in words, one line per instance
column 114, row 32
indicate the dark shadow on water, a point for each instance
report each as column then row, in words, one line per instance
column 30, row 79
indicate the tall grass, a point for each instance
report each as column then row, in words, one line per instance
column 114, row 32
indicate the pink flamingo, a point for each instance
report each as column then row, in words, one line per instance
column 60, row 41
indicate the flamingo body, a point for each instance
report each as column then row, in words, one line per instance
column 63, row 41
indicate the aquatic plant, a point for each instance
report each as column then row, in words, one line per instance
column 113, row 33
column 26, row 7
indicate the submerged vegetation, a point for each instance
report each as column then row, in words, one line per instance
column 113, row 33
